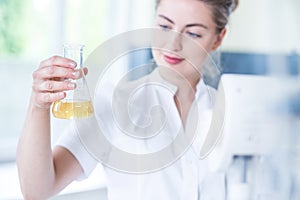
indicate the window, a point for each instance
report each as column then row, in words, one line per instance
column 31, row 31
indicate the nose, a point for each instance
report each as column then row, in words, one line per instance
column 175, row 42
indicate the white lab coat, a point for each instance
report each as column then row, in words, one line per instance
column 187, row 178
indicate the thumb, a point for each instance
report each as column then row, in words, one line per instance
column 85, row 71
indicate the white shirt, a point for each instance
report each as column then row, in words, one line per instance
column 187, row 177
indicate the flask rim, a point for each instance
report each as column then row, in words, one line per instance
column 73, row 46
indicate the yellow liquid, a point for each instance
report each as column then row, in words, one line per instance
column 72, row 110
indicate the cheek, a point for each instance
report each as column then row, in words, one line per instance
column 196, row 52
column 160, row 38
column 197, row 58
column 156, row 57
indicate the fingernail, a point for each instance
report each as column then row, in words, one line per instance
column 61, row 95
column 76, row 74
column 72, row 64
column 71, row 85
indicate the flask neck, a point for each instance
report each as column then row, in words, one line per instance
column 74, row 52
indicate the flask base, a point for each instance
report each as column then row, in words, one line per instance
column 72, row 109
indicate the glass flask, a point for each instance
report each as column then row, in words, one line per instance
column 77, row 104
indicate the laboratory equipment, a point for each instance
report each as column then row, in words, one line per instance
column 254, row 146
column 77, row 104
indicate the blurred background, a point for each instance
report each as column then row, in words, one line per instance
column 262, row 38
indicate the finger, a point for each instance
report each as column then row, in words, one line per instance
column 77, row 76
column 58, row 61
column 44, row 100
column 56, row 72
column 53, row 86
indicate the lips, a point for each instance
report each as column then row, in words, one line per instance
column 172, row 60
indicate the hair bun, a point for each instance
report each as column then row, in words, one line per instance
column 234, row 5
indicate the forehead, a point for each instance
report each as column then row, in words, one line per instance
column 186, row 11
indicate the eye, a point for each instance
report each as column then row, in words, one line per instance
column 194, row 35
column 164, row 27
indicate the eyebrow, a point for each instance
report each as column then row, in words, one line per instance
column 188, row 25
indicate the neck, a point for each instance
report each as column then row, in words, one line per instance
column 186, row 84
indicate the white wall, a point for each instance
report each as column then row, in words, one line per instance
column 267, row 26
column 262, row 26
column 129, row 15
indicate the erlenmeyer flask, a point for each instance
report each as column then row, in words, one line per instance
column 77, row 103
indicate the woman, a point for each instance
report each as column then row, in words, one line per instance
column 44, row 172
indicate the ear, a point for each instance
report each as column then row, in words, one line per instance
column 219, row 39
